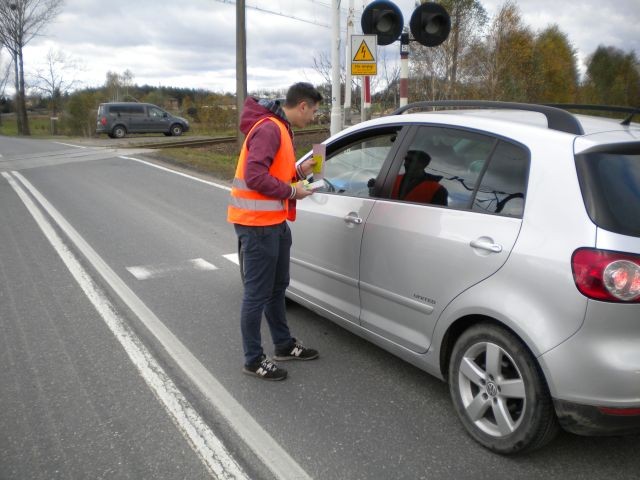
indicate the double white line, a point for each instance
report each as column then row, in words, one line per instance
column 202, row 439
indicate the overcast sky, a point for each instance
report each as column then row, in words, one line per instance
column 191, row 43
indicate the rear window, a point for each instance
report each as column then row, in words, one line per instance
column 610, row 183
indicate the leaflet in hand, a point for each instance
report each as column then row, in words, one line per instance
column 315, row 185
column 319, row 154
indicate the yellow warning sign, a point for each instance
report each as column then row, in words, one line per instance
column 363, row 54
column 364, row 69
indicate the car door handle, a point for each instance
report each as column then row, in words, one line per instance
column 353, row 218
column 486, row 244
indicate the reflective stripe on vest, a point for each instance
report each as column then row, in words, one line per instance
column 249, row 207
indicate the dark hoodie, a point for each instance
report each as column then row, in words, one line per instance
column 262, row 145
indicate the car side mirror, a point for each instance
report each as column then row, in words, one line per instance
column 165, row 115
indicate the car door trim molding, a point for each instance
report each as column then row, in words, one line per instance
column 394, row 297
column 352, row 282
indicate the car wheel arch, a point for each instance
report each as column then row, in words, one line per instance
column 505, row 421
column 176, row 129
column 116, row 129
column 462, row 324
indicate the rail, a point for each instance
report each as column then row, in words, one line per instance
column 203, row 142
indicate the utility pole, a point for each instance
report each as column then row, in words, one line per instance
column 347, row 67
column 336, row 117
column 404, row 68
column 241, row 64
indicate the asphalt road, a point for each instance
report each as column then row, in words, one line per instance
column 154, row 259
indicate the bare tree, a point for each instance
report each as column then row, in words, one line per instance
column 387, row 82
column 119, row 81
column 5, row 72
column 20, row 22
column 437, row 72
column 56, row 78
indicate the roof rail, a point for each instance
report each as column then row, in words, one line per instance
column 632, row 111
column 557, row 119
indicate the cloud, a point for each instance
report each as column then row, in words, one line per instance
column 192, row 44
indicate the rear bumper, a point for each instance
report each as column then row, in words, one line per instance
column 590, row 420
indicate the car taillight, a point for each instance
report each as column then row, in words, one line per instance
column 103, row 121
column 606, row 275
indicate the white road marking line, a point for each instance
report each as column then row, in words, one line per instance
column 265, row 448
column 232, row 257
column 213, row 184
column 70, row 145
column 145, row 272
column 204, row 442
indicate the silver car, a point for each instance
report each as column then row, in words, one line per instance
column 497, row 249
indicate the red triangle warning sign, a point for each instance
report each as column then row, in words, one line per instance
column 363, row 54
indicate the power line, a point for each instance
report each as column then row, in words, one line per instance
column 281, row 14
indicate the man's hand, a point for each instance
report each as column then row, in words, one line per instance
column 307, row 166
column 301, row 192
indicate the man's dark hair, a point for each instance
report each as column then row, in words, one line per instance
column 302, row 92
column 419, row 155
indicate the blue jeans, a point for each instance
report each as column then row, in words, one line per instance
column 265, row 256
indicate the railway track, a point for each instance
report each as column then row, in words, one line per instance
column 203, row 142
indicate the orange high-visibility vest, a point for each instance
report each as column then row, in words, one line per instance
column 423, row 192
column 249, row 207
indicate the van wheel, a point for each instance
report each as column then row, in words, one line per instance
column 498, row 391
column 119, row 131
column 176, row 129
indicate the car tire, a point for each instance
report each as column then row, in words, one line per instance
column 498, row 391
column 119, row 131
column 176, row 129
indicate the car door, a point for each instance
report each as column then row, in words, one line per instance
column 417, row 256
column 158, row 120
column 137, row 115
column 327, row 234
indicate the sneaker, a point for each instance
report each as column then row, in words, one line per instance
column 265, row 369
column 296, row 352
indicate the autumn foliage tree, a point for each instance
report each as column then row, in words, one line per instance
column 555, row 71
column 504, row 60
column 436, row 72
column 612, row 77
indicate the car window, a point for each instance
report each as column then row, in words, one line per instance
column 135, row 109
column 115, row 109
column 610, row 184
column 353, row 169
column 155, row 112
column 441, row 167
column 502, row 188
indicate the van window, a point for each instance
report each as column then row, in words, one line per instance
column 610, row 184
column 155, row 112
column 135, row 109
